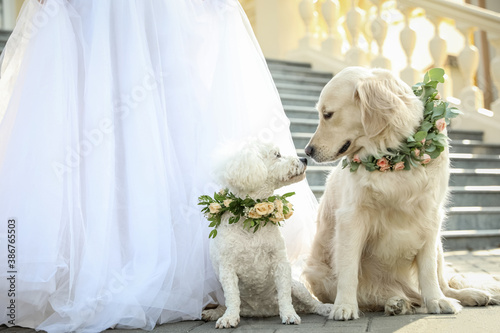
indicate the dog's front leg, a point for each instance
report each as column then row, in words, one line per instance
column 434, row 299
column 349, row 241
column 283, row 280
column 229, row 282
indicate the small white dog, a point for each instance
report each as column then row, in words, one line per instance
column 378, row 243
column 252, row 266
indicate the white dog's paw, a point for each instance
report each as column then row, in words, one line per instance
column 290, row 317
column 397, row 306
column 228, row 321
column 443, row 305
column 344, row 312
column 324, row 309
column 213, row 314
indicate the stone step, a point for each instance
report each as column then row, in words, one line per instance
column 474, row 147
column 301, row 139
column 473, row 161
column 316, row 175
column 474, row 177
column 300, row 79
column 299, row 100
column 288, row 64
column 471, row 239
column 297, row 70
column 303, row 112
column 466, row 218
column 299, row 89
column 460, row 196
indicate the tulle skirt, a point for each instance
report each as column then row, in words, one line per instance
column 109, row 114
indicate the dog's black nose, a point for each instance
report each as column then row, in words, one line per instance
column 303, row 160
column 309, row 150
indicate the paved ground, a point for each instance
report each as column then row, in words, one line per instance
column 479, row 265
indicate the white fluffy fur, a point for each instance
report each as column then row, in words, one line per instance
column 378, row 243
column 253, row 267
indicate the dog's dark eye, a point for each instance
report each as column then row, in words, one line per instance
column 278, row 155
column 327, row 115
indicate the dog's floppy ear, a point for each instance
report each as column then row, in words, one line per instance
column 245, row 170
column 380, row 98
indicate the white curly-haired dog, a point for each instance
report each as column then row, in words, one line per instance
column 253, row 267
column 378, row 243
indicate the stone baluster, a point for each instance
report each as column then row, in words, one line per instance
column 306, row 9
column 438, row 50
column 354, row 19
column 495, row 72
column 408, row 38
column 333, row 43
column 468, row 61
column 379, row 32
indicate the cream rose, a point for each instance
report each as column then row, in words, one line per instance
column 278, row 217
column 290, row 211
column 399, row 166
column 426, row 159
column 441, row 124
column 253, row 214
column 214, row 208
column 227, row 202
column 383, row 164
column 279, row 205
column 264, row 208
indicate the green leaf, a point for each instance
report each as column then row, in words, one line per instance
column 426, row 126
column 419, row 136
column 286, row 195
column 344, row 163
column 354, row 167
column 434, row 154
column 212, row 234
column 410, row 139
column 434, row 74
column 431, row 148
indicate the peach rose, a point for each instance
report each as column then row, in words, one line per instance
column 356, row 159
column 441, row 124
column 290, row 211
column 426, row 159
column 399, row 165
column 264, row 208
column 227, row 202
column 214, row 208
column 417, row 152
column 383, row 164
column 253, row 214
column 438, row 96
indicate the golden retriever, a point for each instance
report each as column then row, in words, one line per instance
column 378, row 244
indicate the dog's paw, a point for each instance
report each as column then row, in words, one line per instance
column 473, row 297
column 344, row 312
column 213, row 314
column 290, row 317
column 324, row 309
column 227, row 321
column 443, row 305
column 397, row 306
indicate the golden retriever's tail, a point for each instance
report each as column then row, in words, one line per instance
column 463, row 282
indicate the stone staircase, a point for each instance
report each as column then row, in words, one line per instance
column 474, row 209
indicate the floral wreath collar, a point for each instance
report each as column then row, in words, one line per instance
column 254, row 213
column 428, row 141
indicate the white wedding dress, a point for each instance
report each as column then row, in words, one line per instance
column 109, row 114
